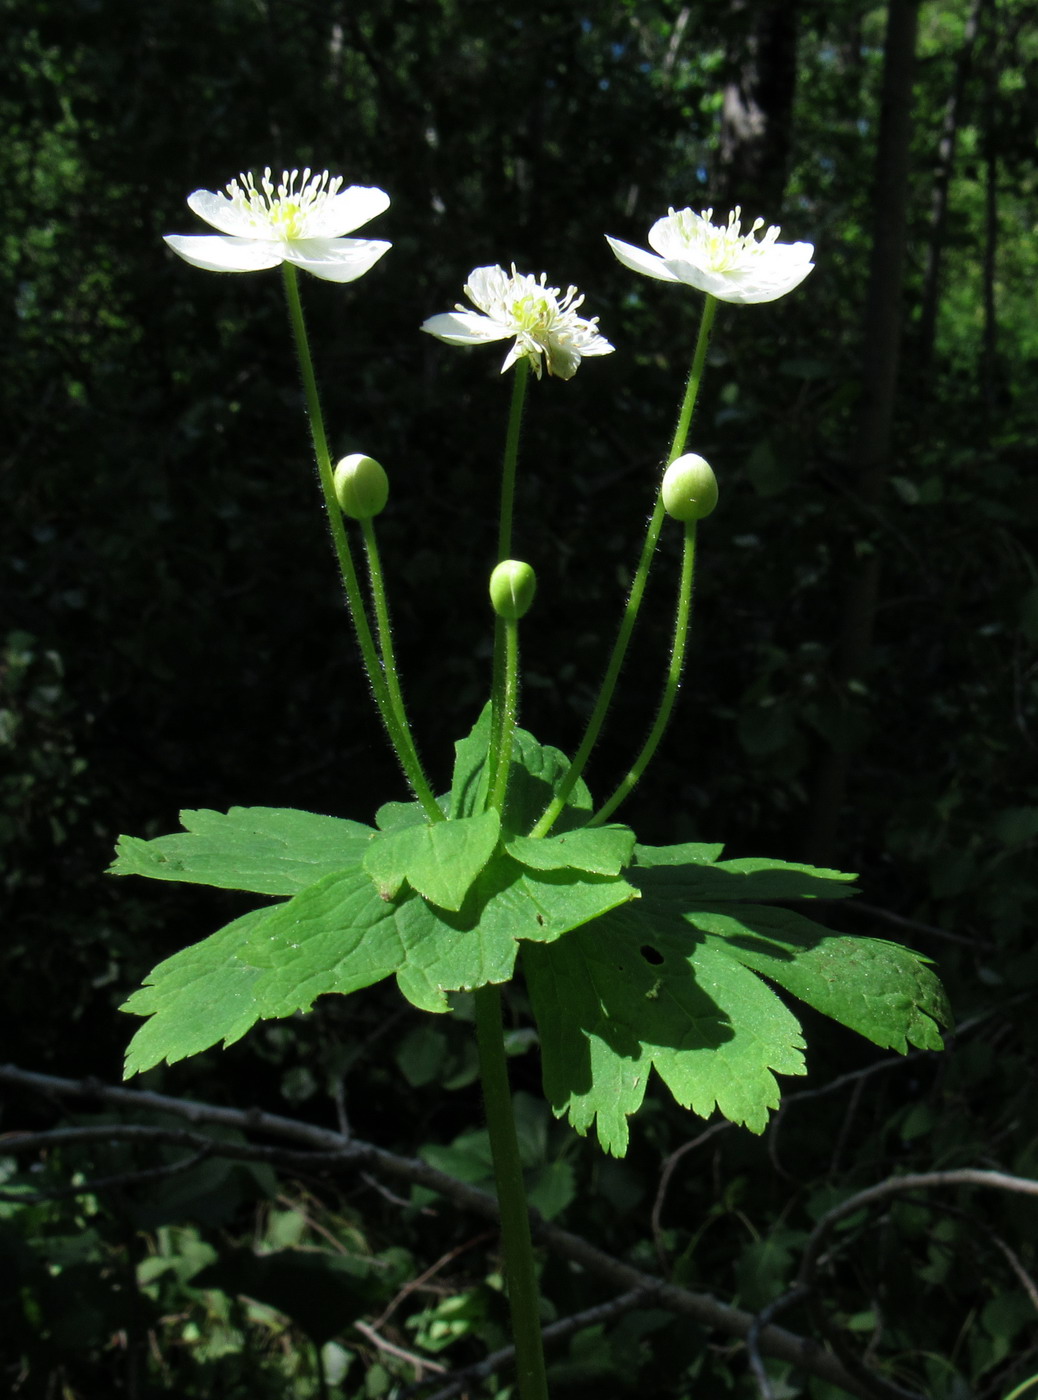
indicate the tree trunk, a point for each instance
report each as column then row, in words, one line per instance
column 939, row 199
column 989, row 375
column 758, row 107
column 870, row 454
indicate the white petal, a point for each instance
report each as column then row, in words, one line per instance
column 334, row 259
column 563, row 360
column 765, row 279
column 598, row 346
column 347, row 210
column 217, row 253
column 465, row 328
column 665, row 236
column 520, row 351
column 638, row 260
column 221, row 213
column 487, row 287
column 718, row 284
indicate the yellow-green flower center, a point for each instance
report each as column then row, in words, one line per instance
column 283, row 210
column 722, row 249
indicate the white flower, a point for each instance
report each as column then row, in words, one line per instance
column 265, row 226
column 720, row 260
column 542, row 321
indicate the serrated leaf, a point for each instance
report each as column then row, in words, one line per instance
column 879, row 989
column 266, row 850
column 663, row 985
column 197, row 997
column 604, row 850
column 608, row 1013
column 440, row 860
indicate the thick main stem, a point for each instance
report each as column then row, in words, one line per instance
column 396, row 727
column 641, row 578
column 520, row 1274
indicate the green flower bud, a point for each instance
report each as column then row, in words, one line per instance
column 689, row 488
column 361, row 486
column 512, row 586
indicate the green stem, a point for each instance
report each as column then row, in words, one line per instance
column 511, row 459
column 506, row 709
column 641, row 577
column 399, row 734
column 511, row 1195
column 501, row 726
column 385, row 643
column 673, row 681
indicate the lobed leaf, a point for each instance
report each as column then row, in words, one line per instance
column 674, row 984
column 266, row 850
column 199, row 996
column 628, row 995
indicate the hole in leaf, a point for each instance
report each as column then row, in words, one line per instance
column 650, row 954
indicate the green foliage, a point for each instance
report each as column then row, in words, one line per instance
column 669, row 981
column 153, row 471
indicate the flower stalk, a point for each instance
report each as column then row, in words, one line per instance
column 679, row 645
column 395, row 724
column 641, row 577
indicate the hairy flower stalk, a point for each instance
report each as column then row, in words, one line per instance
column 299, row 220
column 719, row 259
column 544, row 321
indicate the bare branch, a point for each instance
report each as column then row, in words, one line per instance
column 420, row 1363
column 896, row 1185
column 332, row 1151
column 668, row 1171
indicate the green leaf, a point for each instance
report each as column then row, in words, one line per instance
column 337, row 936
column 268, row 850
column 534, row 774
column 671, row 983
column 198, row 996
column 469, row 781
column 391, row 816
column 690, row 853
column 705, row 878
column 455, row 951
column 609, row 1012
column 440, row 860
column 883, row 991
column 340, row 935
column 604, row 850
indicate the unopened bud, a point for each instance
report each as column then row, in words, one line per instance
column 689, row 488
column 361, row 486
column 512, row 586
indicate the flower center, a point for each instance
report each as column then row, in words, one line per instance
column 537, row 310
column 722, row 249
column 281, row 210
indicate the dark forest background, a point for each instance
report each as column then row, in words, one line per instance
column 863, row 683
